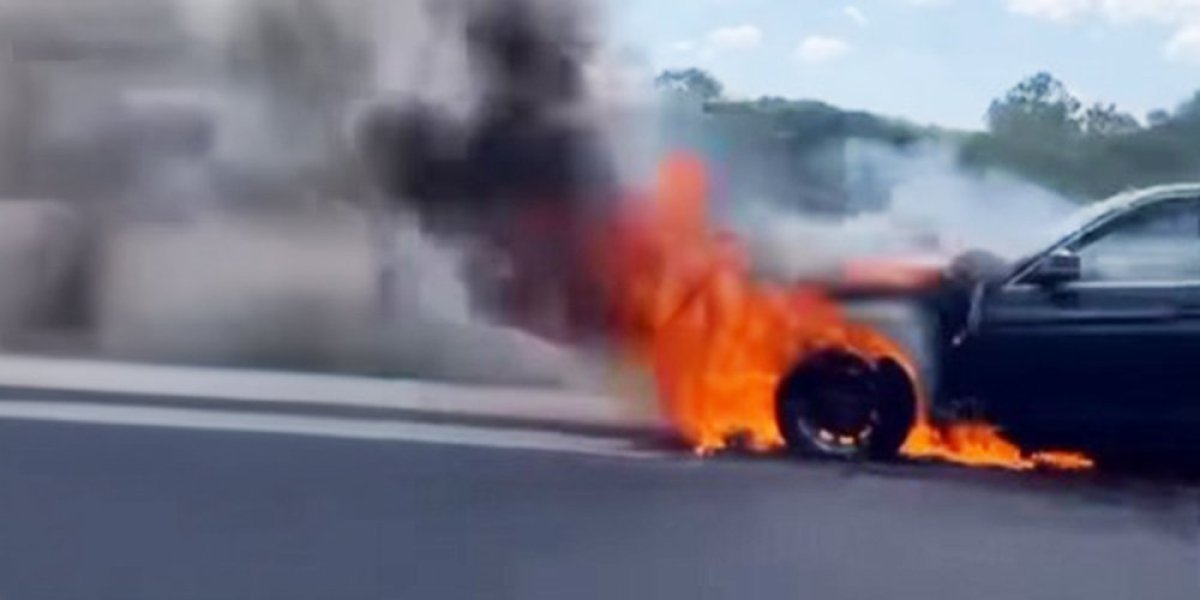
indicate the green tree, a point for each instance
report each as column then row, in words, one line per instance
column 1158, row 117
column 1189, row 108
column 1038, row 107
column 1039, row 131
column 1035, row 131
column 1105, row 120
column 692, row 83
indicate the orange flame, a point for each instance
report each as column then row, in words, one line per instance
column 719, row 342
column 982, row 445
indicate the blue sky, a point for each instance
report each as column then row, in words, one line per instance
column 930, row 61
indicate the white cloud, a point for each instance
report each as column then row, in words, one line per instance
column 856, row 14
column 820, row 48
column 1181, row 15
column 685, row 46
column 1054, row 10
column 1185, row 46
column 740, row 37
column 1171, row 12
column 1165, row 11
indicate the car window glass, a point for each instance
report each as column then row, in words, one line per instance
column 1156, row 243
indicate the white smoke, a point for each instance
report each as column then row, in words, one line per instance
column 935, row 209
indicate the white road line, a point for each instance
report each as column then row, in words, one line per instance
column 158, row 381
column 327, row 427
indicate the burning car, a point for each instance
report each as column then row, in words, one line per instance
column 1088, row 342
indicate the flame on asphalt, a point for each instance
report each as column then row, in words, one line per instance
column 719, row 342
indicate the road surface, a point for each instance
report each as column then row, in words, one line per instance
column 126, row 503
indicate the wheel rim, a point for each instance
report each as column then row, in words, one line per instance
column 839, row 420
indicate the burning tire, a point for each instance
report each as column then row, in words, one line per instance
column 839, row 405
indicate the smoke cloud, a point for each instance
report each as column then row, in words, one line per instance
column 933, row 209
column 372, row 186
column 294, row 183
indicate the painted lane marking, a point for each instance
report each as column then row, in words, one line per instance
column 327, row 427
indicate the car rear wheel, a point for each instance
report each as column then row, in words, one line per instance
column 838, row 405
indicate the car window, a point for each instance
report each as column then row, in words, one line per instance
column 1157, row 243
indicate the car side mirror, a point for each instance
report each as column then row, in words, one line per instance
column 1059, row 267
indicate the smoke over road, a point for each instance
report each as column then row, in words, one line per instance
column 935, row 210
column 250, row 199
column 373, row 186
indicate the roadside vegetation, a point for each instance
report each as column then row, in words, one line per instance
column 1038, row 130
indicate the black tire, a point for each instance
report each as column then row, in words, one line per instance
column 837, row 405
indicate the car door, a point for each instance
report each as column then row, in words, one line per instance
column 1117, row 347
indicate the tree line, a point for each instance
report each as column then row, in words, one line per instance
column 1037, row 130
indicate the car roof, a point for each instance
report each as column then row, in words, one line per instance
column 1101, row 210
column 1131, row 198
column 1096, row 213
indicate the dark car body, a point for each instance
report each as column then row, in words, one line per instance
column 1091, row 342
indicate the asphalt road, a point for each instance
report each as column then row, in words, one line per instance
column 126, row 513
